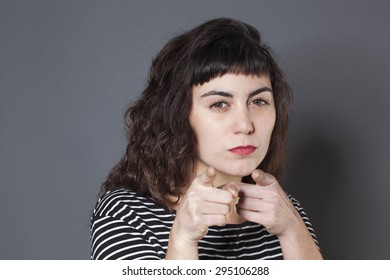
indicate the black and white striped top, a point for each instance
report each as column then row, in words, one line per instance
column 127, row 226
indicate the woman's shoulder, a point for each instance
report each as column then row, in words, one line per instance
column 125, row 202
column 118, row 196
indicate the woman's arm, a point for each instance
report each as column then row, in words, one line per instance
column 299, row 244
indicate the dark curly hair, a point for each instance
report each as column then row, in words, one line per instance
column 162, row 146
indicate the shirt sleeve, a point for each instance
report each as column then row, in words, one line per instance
column 114, row 239
column 118, row 231
column 305, row 218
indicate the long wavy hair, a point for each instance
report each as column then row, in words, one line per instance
column 162, row 146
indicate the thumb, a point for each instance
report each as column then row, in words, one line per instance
column 262, row 179
column 233, row 187
column 207, row 177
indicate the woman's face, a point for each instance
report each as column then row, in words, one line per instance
column 233, row 117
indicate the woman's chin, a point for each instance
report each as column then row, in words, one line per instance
column 238, row 172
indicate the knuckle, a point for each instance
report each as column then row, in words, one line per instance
column 197, row 220
column 225, row 209
column 228, row 197
column 196, row 209
column 221, row 221
column 274, row 195
column 191, row 193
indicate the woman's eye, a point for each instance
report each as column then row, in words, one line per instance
column 219, row 105
column 259, row 102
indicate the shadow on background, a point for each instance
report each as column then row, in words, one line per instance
column 318, row 172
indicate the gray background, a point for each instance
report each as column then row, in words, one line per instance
column 68, row 69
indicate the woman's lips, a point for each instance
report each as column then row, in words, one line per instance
column 243, row 150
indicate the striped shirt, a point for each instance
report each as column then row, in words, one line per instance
column 127, row 226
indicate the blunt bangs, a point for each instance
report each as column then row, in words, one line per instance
column 230, row 55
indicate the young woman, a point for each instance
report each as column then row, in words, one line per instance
column 203, row 140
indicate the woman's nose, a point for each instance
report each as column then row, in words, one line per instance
column 243, row 122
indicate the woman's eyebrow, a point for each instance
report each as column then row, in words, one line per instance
column 226, row 94
column 260, row 90
column 220, row 93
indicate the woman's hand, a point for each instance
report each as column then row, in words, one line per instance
column 202, row 206
column 267, row 204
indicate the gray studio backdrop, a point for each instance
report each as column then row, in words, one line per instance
column 69, row 68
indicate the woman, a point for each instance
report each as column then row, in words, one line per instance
column 203, row 140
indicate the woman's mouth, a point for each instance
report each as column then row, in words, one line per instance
column 243, row 150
